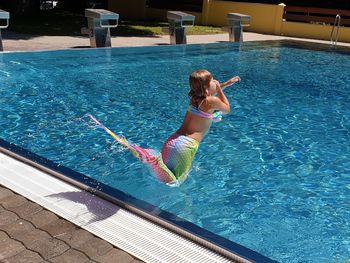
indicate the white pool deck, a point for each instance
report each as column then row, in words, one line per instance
column 137, row 236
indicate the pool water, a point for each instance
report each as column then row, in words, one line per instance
column 273, row 176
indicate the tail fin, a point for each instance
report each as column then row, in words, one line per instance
column 119, row 139
column 147, row 156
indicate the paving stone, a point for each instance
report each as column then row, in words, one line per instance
column 43, row 218
column 30, row 238
column 18, row 228
column 16, row 234
column 25, row 256
column 10, row 248
column 4, row 192
column 76, row 238
column 12, row 201
column 71, row 255
column 115, row 255
column 7, row 217
column 95, row 248
column 3, row 236
column 26, row 210
column 49, row 248
column 59, row 227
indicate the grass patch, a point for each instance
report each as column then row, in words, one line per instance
column 152, row 28
column 55, row 23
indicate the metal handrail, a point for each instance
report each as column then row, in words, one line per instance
column 335, row 33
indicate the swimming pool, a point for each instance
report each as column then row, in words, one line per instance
column 273, row 176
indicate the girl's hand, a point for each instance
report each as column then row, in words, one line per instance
column 217, row 84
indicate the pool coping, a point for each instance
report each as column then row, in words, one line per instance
column 15, row 41
column 292, row 42
column 188, row 230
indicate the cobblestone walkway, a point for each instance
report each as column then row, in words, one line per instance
column 30, row 233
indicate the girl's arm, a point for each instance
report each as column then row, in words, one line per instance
column 219, row 102
column 230, row 82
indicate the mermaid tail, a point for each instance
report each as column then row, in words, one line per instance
column 177, row 153
column 155, row 162
column 172, row 165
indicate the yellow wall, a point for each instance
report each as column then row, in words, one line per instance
column 267, row 19
column 263, row 16
column 304, row 30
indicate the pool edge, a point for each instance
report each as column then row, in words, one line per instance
column 198, row 235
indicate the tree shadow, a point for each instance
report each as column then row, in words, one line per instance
column 139, row 28
column 46, row 23
column 54, row 23
column 129, row 31
column 7, row 34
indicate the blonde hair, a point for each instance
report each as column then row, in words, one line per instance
column 199, row 82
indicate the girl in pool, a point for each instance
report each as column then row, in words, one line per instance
column 173, row 164
column 204, row 108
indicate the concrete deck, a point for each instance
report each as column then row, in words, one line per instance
column 16, row 42
column 30, row 233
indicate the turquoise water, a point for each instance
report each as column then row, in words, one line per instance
column 274, row 175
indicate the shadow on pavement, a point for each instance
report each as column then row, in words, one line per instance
column 98, row 207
